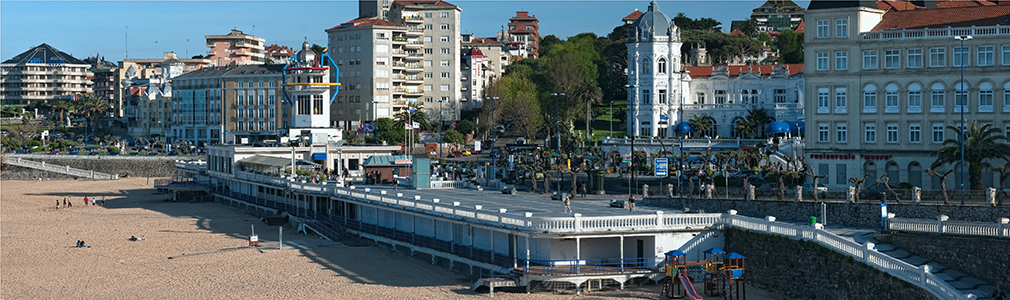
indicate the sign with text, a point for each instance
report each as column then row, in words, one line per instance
column 662, row 166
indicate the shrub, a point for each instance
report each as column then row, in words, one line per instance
column 113, row 149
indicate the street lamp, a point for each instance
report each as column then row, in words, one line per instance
column 494, row 162
column 557, row 132
column 964, row 99
column 634, row 131
column 439, row 142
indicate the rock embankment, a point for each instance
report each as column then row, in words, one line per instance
column 132, row 166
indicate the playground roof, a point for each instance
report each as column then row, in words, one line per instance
column 734, row 255
column 715, row 251
column 675, row 253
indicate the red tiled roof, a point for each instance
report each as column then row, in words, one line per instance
column 736, row 32
column 366, row 21
column 422, row 2
column 962, row 3
column 523, row 15
column 892, row 5
column 897, row 5
column 482, row 41
column 944, row 17
column 633, row 16
column 801, row 28
column 734, row 71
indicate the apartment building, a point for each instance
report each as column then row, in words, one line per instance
column 885, row 80
column 381, row 69
column 235, row 48
column 278, row 54
column 523, row 37
column 777, row 16
column 440, row 40
column 492, row 55
column 43, row 73
column 105, row 82
column 230, row 104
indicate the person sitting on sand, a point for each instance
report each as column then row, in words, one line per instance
column 134, row 238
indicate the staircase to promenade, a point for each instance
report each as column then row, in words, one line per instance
column 81, row 173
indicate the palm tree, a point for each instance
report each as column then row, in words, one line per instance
column 418, row 116
column 983, row 143
column 758, row 117
column 744, row 128
column 702, row 123
column 94, row 106
column 65, row 106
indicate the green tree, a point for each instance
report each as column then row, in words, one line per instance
column 386, row 130
column 317, row 49
column 758, row 118
column 465, row 126
column 749, row 28
column 702, row 124
column 414, row 114
column 744, row 128
column 452, row 136
column 983, row 142
column 94, row 107
column 790, row 45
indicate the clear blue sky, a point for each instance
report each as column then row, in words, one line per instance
column 83, row 28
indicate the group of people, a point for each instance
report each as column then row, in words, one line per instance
column 373, row 177
column 67, row 202
column 80, row 244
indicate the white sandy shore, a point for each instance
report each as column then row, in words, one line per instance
column 38, row 260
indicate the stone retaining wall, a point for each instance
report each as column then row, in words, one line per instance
column 987, row 259
column 847, row 214
column 805, row 270
column 143, row 167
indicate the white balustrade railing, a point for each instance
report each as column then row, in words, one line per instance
column 59, row 169
column 1000, row 229
column 448, row 184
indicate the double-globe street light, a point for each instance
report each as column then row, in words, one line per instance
column 494, row 161
column 963, row 97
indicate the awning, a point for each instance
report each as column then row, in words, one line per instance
column 266, row 164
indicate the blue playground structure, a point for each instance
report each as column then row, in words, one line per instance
column 723, row 275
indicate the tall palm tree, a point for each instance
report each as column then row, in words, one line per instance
column 65, row 106
column 94, row 107
column 702, row 123
column 744, row 128
column 418, row 116
column 758, row 117
column 983, row 142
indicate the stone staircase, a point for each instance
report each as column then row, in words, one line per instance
column 964, row 283
column 81, row 173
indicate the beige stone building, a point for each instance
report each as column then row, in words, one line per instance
column 883, row 79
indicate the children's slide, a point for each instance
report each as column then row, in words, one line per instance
column 686, row 282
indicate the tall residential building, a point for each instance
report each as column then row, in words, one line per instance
column 440, row 40
column 106, row 82
column 43, row 74
column 475, row 78
column 524, row 35
column 381, row 69
column 235, row 48
column 777, row 15
column 885, row 110
column 229, row 104
column 147, row 95
column 374, row 8
column 493, row 56
column 279, row 54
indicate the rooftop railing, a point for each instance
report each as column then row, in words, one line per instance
column 927, row 33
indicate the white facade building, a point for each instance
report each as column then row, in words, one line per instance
column 727, row 92
column 654, row 84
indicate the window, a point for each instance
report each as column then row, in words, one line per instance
column 840, row 100
column 317, row 105
column 428, row 51
column 444, row 27
column 891, row 98
column 444, row 63
column 662, row 96
column 444, row 38
column 914, row 98
column 822, row 29
column 842, row 28
column 985, row 97
column 841, row 60
column 937, row 57
column 381, row 73
column 892, row 133
column 445, row 14
column 646, row 99
column 984, row 56
column 303, row 104
column 427, row 87
column 870, row 133
column 822, row 100
column 701, row 99
column 1006, row 97
column 870, row 99
column 427, row 63
column 892, row 59
column 822, row 61
column 427, row 39
column 445, row 74
column 645, row 66
column 427, row 75
column 870, row 59
column 936, row 98
column 1005, row 60
column 822, row 133
column 841, row 132
column 914, row 133
column 720, row 96
column 841, row 176
column 914, row 58
column 271, row 100
column 937, row 133
column 445, row 87
column 661, row 66
column 960, row 56
column 960, row 97
column 779, row 95
column 427, row 15
column 445, row 51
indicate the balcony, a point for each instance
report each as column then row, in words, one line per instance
column 415, row 32
column 399, row 40
column 413, row 19
column 408, row 91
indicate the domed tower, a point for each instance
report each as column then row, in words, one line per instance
column 656, row 86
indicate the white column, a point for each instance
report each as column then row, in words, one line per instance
column 578, row 254
column 621, row 245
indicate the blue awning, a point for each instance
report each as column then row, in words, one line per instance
column 318, row 156
column 777, row 127
column 682, row 127
column 734, row 255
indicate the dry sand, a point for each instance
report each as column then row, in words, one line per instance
column 38, row 259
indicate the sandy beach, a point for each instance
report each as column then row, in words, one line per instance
column 210, row 258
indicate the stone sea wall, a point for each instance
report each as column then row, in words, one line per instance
column 132, row 166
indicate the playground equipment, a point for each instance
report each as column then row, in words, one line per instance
column 723, row 275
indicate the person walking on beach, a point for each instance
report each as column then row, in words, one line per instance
column 57, row 204
column 70, row 203
column 64, row 201
column 103, row 200
column 582, row 189
column 85, row 200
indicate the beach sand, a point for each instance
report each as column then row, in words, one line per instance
column 210, row 258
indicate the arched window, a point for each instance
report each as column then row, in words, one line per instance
column 661, row 66
column 960, row 97
column 914, row 98
column 870, row 98
column 985, row 97
column 645, row 66
column 1006, row 96
column 937, row 101
column 891, row 98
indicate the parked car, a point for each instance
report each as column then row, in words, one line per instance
column 875, row 191
column 822, row 191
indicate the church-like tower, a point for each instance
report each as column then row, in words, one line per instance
column 655, row 83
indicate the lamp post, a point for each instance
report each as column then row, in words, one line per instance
column 611, row 118
column 557, row 132
column 439, row 142
column 962, row 38
column 494, row 162
column 680, row 118
column 631, row 169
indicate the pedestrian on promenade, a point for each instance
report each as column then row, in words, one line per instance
column 70, row 203
column 582, row 189
column 568, row 203
column 631, row 203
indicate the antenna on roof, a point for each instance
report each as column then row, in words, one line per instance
column 126, row 43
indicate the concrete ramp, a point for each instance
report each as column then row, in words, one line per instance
column 90, row 174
